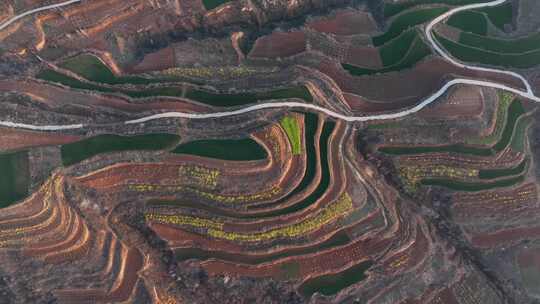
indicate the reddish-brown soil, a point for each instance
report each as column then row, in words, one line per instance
column 364, row 56
column 279, row 44
column 465, row 102
column 502, row 237
column 15, row 139
column 396, row 88
column 160, row 60
column 56, row 96
column 345, row 23
column 495, row 203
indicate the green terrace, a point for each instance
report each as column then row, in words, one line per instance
column 474, row 46
column 244, row 149
column 469, row 21
column 476, row 21
column 407, row 20
column 211, row 4
column 403, row 52
column 474, row 54
column 100, row 78
column 330, row 284
column 291, row 127
column 15, row 177
column 470, row 186
column 496, row 173
column 93, row 69
column 339, row 238
column 401, row 46
column 503, row 46
column 78, row 151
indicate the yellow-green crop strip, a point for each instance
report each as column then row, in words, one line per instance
column 291, row 127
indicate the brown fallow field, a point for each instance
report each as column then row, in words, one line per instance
column 499, row 203
column 345, row 23
column 506, row 236
column 279, row 45
column 13, row 139
column 504, row 159
column 466, row 102
column 393, row 91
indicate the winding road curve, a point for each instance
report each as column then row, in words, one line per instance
column 529, row 94
column 36, row 10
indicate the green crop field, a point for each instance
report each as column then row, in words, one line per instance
column 499, row 15
column 15, row 177
column 226, row 149
column 401, row 53
column 92, row 68
column 210, row 98
column 472, row 187
column 496, row 173
column 469, row 21
column 331, row 284
column 78, row 151
column 406, row 21
column 291, row 127
column 505, row 46
column 471, row 54
column 211, row 4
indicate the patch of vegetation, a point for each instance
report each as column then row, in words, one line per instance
column 331, row 284
column 518, row 140
column 496, row 173
column 517, row 46
column 78, row 151
column 469, row 21
column 227, row 149
column 340, row 238
column 417, row 51
column 15, row 177
column 210, row 98
column 291, row 127
column 515, row 111
column 396, row 50
column 211, row 4
column 223, row 100
column 472, row 54
column 54, row 76
column 470, row 187
column 505, row 100
column 499, row 15
column 93, row 69
column 406, row 21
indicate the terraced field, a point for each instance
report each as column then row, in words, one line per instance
column 268, row 152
